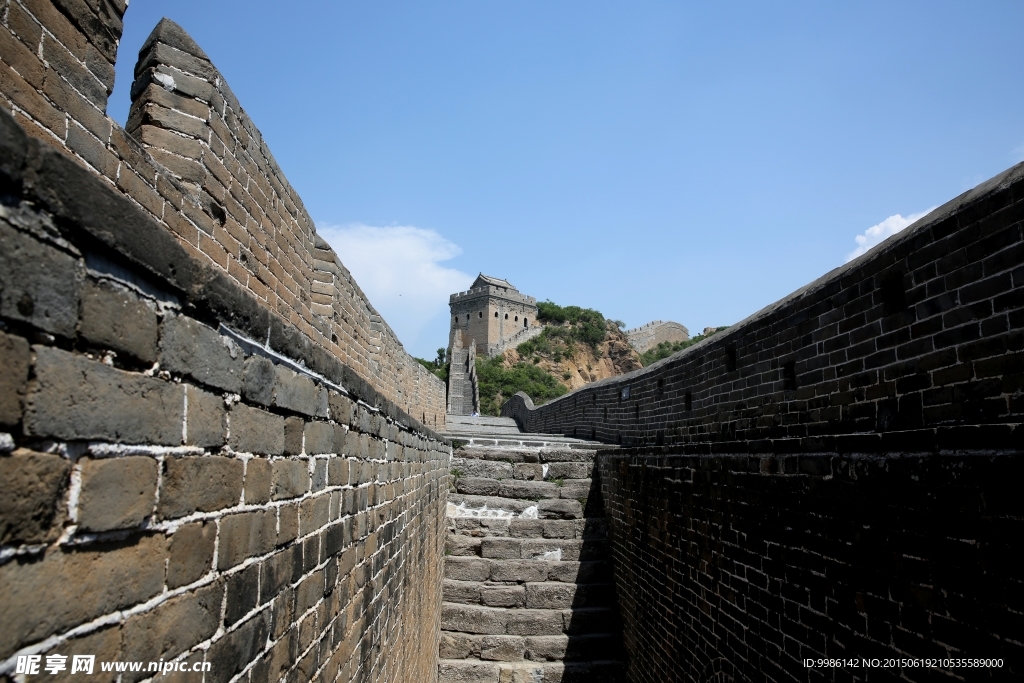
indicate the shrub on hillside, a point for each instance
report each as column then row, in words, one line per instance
column 498, row 383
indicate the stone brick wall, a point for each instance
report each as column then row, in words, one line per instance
column 194, row 161
column 497, row 318
column 171, row 488
column 834, row 476
column 655, row 332
column 917, row 344
column 735, row 567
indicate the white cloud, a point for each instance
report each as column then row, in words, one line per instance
column 399, row 268
column 887, row 228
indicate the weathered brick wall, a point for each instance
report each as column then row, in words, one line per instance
column 170, row 489
column 917, row 344
column 834, row 476
column 744, row 566
column 195, row 162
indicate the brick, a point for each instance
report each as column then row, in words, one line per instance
column 258, row 379
column 204, row 418
column 199, row 484
column 190, row 553
column 80, row 585
column 193, row 349
column 245, row 535
column 116, row 493
column 299, row 393
column 242, row 593
column 31, row 492
column 287, row 523
column 236, row 649
column 294, row 433
column 74, row 397
column 174, row 626
column 256, row 431
column 337, row 472
column 291, row 478
column 104, row 644
column 314, row 514
column 114, row 318
column 258, row 481
column 319, row 438
column 15, row 360
column 39, row 284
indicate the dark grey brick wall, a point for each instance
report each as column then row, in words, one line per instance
column 834, row 476
column 171, row 490
column 916, row 345
column 747, row 565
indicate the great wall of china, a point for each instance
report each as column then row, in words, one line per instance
column 214, row 450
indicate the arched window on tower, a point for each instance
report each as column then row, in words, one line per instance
column 526, row 322
column 495, row 314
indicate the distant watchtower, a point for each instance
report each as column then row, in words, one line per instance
column 493, row 315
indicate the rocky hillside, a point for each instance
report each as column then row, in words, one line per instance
column 577, row 346
column 582, row 363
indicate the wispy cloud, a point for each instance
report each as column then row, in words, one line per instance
column 879, row 232
column 399, row 268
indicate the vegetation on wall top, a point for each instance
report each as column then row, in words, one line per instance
column 666, row 349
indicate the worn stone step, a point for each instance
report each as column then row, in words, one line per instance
column 530, row 595
column 598, row 646
column 500, row 470
column 482, row 671
column 495, row 507
column 524, row 489
column 589, row 528
column 496, row 621
column 507, row 488
column 522, row 571
column 557, row 550
column 526, row 455
column 570, row 550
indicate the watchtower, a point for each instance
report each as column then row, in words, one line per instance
column 493, row 315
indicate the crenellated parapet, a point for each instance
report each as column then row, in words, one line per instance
column 192, row 158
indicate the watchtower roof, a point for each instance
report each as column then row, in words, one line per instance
column 488, row 281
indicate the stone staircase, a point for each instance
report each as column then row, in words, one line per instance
column 528, row 591
column 483, row 430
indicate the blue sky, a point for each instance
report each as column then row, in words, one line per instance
column 683, row 161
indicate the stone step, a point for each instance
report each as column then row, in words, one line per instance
column 482, row 671
column 526, row 455
column 531, row 595
column 497, row 621
column 496, row 507
column 506, row 440
column 588, row 528
column 522, row 571
column 520, row 489
column 535, row 471
column 556, row 549
column 597, row 646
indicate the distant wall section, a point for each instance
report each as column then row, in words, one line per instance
column 653, row 333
